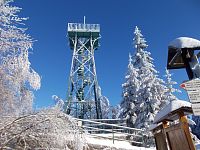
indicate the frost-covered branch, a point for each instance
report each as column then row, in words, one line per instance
column 17, row 78
column 47, row 129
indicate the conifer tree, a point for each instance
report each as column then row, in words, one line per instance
column 129, row 94
column 116, row 111
column 150, row 96
column 169, row 87
column 105, row 105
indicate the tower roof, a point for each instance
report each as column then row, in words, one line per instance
column 83, row 30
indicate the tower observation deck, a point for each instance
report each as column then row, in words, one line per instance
column 83, row 98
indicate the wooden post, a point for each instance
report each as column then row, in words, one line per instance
column 186, row 60
column 185, row 127
column 165, row 125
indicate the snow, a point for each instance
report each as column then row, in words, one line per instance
column 153, row 126
column 198, row 146
column 46, row 129
column 107, row 144
column 172, row 106
column 185, row 42
column 196, row 128
column 191, row 122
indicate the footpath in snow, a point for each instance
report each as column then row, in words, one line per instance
column 107, row 144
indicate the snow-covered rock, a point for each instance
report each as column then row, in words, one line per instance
column 185, row 42
column 172, row 106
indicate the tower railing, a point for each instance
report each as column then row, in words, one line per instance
column 79, row 27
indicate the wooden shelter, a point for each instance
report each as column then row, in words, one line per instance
column 171, row 130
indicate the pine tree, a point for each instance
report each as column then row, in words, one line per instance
column 105, row 105
column 150, row 96
column 169, row 87
column 17, row 78
column 129, row 94
column 115, row 112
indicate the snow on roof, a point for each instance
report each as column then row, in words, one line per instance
column 172, row 106
column 153, row 126
column 185, row 42
column 191, row 122
column 198, row 146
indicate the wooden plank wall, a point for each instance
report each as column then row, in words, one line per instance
column 161, row 143
column 175, row 137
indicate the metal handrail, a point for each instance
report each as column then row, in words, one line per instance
column 108, row 124
column 111, row 131
column 97, row 128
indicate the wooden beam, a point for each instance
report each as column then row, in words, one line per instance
column 185, row 127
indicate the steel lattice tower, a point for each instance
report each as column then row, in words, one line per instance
column 83, row 99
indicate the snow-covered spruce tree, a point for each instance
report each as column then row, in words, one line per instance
column 151, row 92
column 105, row 105
column 150, row 96
column 169, row 87
column 17, row 78
column 130, row 89
column 116, row 111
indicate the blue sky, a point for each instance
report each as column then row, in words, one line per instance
column 160, row 22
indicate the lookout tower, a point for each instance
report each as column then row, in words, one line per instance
column 83, row 98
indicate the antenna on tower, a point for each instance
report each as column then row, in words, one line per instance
column 84, row 19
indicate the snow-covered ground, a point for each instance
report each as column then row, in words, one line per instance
column 198, row 146
column 107, row 144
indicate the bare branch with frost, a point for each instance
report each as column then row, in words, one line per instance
column 47, row 129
